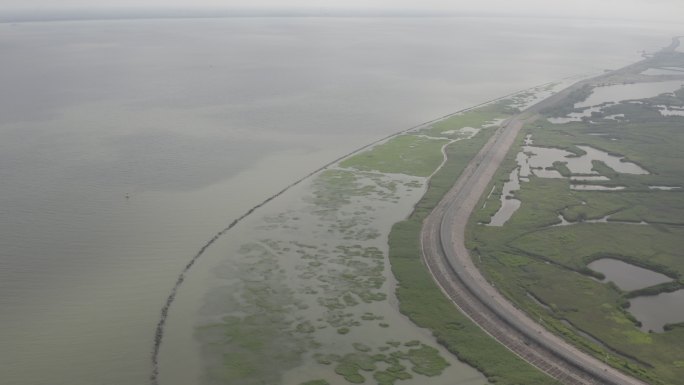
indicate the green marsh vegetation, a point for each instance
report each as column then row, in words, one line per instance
column 389, row 366
column 405, row 154
column 255, row 346
column 420, row 298
column 318, row 272
column 543, row 268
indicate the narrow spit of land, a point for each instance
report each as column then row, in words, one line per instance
column 448, row 259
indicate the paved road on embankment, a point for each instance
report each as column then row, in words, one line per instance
column 448, row 260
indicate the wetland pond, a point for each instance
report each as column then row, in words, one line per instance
column 539, row 162
column 609, row 95
column 670, row 111
column 655, row 312
column 627, row 276
column 509, row 205
column 664, row 71
column 617, row 92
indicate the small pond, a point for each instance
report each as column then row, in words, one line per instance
column 576, row 116
column 592, row 187
column 589, row 177
column 626, row 276
column 663, row 71
column 544, row 157
column 539, row 162
column 656, row 311
column 605, row 219
column 664, row 188
column 509, row 204
column 618, row 92
column 670, row 111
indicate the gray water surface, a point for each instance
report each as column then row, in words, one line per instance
column 654, row 312
column 626, row 276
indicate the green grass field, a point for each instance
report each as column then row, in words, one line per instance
column 405, row 154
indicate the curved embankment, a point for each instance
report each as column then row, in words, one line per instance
column 445, row 253
column 164, row 313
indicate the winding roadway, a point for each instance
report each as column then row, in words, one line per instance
column 447, row 258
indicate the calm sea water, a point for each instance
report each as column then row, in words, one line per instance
column 126, row 145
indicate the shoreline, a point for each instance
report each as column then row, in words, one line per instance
column 166, row 309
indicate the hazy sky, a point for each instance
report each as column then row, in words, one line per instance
column 636, row 9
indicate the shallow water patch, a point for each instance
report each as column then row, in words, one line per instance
column 619, row 92
column 654, row 312
column 464, row 133
column 325, row 255
column 577, row 116
column 663, row 71
column 589, row 177
column 626, row 276
column 543, row 162
column 605, row 219
column 595, row 187
column 545, row 157
column 670, row 111
column 509, row 205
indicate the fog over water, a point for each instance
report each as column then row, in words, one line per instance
column 126, row 145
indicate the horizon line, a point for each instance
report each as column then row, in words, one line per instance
column 131, row 13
